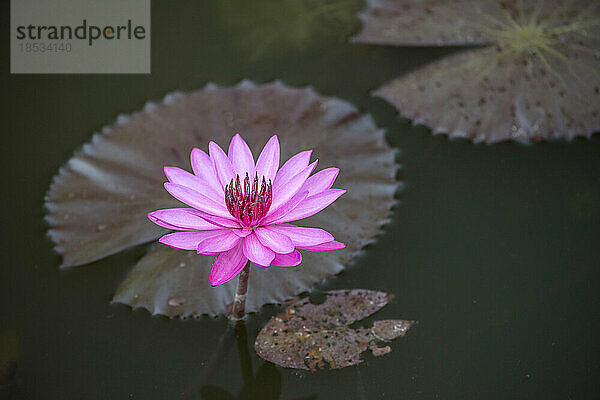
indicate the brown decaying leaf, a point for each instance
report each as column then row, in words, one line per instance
column 316, row 336
column 97, row 204
column 539, row 79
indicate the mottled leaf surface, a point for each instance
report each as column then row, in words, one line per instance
column 98, row 202
column 539, row 78
column 316, row 336
column 423, row 23
column 448, row 22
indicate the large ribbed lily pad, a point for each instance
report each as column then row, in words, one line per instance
column 98, row 202
column 538, row 78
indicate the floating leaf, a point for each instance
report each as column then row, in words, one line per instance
column 314, row 336
column 539, row 78
column 98, row 202
column 423, row 23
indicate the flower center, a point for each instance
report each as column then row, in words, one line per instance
column 248, row 204
column 529, row 39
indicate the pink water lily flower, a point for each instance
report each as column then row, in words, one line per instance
column 242, row 209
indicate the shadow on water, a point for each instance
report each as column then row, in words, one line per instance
column 8, row 380
column 9, row 354
column 265, row 385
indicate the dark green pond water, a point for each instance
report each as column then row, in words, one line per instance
column 493, row 249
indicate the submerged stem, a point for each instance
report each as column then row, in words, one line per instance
column 244, row 353
column 239, row 303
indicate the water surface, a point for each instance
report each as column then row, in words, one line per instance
column 492, row 248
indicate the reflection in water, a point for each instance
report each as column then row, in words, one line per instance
column 361, row 392
column 287, row 25
column 266, row 385
column 8, row 379
column 9, row 351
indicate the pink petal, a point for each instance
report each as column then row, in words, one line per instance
column 276, row 241
column 242, row 232
column 302, row 236
column 291, row 168
column 227, row 265
column 282, row 194
column 188, row 240
column 329, row 246
column 219, row 243
column 312, row 205
column 180, row 177
column 220, row 221
column 197, row 200
column 164, row 224
column 204, row 168
column 320, row 181
column 256, row 252
column 224, row 168
column 287, row 260
column 284, row 209
column 181, row 219
column 268, row 160
column 241, row 157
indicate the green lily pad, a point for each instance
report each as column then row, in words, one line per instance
column 97, row 204
column 538, row 78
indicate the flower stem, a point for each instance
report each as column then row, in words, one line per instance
column 239, row 303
